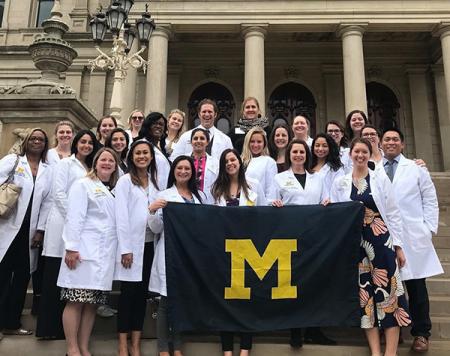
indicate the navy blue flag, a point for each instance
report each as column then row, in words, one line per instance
column 262, row 268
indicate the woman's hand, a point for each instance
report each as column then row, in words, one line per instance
column 127, row 260
column 420, row 162
column 72, row 258
column 37, row 239
column 277, row 203
column 326, row 201
column 157, row 204
column 401, row 259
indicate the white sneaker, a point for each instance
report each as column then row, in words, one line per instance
column 105, row 311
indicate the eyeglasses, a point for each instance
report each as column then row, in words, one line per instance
column 333, row 131
column 369, row 134
column 138, row 118
column 37, row 139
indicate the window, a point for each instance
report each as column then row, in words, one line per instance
column 43, row 11
column 2, row 8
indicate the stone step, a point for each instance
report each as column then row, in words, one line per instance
column 438, row 286
column 28, row 345
column 440, row 305
column 446, row 274
column 444, row 254
column 446, row 268
column 440, row 317
column 104, row 327
column 441, row 241
column 443, row 231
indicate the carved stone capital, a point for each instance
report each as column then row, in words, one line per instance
column 356, row 29
column 254, row 30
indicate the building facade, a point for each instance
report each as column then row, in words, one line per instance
column 320, row 58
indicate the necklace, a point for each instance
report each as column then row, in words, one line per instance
column 360, row 184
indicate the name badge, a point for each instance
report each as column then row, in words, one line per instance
column 289, row 184
column 98, row 192
column 20, row 171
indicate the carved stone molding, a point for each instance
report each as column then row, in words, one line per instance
column 212, row 72
column 291, row 72
column 374, row 71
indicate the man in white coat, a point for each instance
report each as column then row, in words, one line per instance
column 219, row 142
column 416, row 196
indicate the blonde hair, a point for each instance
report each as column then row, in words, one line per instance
column 131, row 115
column 93, row 172
column 58, row 125
column 248, row 98
column 183, row 115
column 246, row 152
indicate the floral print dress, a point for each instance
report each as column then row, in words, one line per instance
column 381, row 294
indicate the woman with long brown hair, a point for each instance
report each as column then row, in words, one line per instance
column 134, row 192
column 181, row 188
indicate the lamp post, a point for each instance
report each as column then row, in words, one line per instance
column 119, row 60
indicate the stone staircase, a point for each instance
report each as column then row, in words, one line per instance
column 351, row 341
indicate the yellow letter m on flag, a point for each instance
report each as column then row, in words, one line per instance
column 277, row 250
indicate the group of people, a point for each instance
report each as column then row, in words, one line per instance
column 90, row 212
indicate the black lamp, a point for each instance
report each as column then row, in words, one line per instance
column 126, row 5
column 98, row 27
column 129, row 34
column 116, row 16
column 145, row 26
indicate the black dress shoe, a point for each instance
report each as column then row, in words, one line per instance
column 296, row 340
column 316, row 336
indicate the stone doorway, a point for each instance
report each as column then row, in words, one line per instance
column 382, row 106
column 289, row 100
column 224, row 100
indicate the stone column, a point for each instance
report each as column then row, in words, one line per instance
column 96, row 98
column 442, row 110
column 254, row 82
column 354, row 75
column 129, row 88
column 334, row 93
column 444, row 120
column 156, row 86
column 420, row 110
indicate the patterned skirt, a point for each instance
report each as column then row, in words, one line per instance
column 78, row 295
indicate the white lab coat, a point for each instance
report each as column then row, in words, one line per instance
column 328, row 176
column 40, row 205
column 65, row 173
column 52, row 157
column 90, row 229
column 287, row 188
column 162, row 168
column 344, row 153
column 255, row 196
column 262, row 169
column 211, row 172
column 155, row 222
column 132, row 203
column 383, row 196
column 220, row 143
column 416, row 196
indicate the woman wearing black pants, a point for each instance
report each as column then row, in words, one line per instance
column 22, row 231
column 134, row 191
